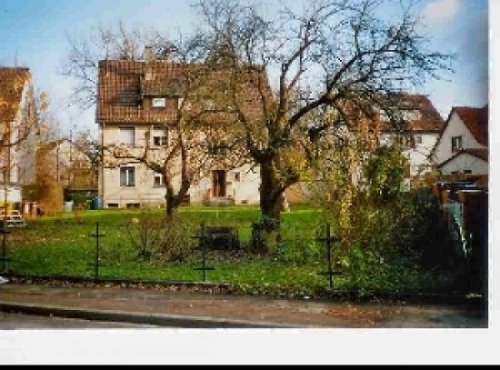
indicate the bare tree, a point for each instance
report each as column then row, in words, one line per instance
column 336, row 53
column 105, row 43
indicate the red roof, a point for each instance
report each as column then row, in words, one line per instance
column 12, row 82
column 476, row 120
column 429, row 120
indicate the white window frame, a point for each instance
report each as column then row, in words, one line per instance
column 158, row 176
column 129, row 177
column 159, row 102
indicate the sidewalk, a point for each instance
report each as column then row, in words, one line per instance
column 190, row 310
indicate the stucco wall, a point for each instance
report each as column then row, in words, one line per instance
column 464, row 162
column 455, row 127
column 418, row 156
column 244, row 191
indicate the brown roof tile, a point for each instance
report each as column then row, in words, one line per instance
column 476, row 120
column 125, row 89
column 122, row 84
column 12, row 81
column 430, row 119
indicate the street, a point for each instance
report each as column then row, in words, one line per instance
column 14, row 321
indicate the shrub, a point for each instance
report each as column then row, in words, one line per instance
column 145, row 233
column 177, row 242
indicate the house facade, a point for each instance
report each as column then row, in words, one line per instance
column 424, row 125
column 137, row 101
column 18, row 134
column 462, row 147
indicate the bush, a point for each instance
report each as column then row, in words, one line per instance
column 265, row 235
column 145, row 233
column 301, row 251
column 177, row 241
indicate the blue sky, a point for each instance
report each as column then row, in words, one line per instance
column 33, row 34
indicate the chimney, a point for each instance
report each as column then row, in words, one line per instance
column 149, row 54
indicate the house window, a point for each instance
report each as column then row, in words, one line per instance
column 158, row 180
column 160, row 140
column 418, row 139
column 467, row 172
column 127, row 176
column 127, row 135
column 159, row 102
column 456, row 144
column 237, row 177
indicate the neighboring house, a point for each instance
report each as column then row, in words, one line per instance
column 137, row 96
column 421, row 135
column 462, row 147
column 18, row 134
column 68, row 164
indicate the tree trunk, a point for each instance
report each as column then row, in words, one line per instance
column 270, row 194
column 171, row 203
column 170, row 208
column 266, row 234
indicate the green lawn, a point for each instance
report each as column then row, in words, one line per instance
column 52, row 246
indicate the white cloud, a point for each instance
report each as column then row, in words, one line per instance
column 440, row 12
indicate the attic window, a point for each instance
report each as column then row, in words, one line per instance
column 159, row 102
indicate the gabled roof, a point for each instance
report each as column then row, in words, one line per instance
column 476, row 152
column 476, row 120
column 12, row 82
column 430, row 118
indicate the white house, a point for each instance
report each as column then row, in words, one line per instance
column 424, row 126
column 462, row 147
column 135, row 97
column 17, row 121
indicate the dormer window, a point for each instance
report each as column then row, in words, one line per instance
column 159, row 102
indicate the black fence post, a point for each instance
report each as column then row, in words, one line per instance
column 203, row 243
column 329, row 240
column 97, row 235
column 4, row 231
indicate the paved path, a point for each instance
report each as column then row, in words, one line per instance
column 160, row 307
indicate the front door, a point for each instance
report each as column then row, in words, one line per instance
column 218, row 183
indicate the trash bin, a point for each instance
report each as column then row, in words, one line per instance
column 95, row 203
column 68, row 206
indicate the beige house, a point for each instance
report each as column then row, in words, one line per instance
column 136, row 98
column 18, row 133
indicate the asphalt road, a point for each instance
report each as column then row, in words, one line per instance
column 15, row 321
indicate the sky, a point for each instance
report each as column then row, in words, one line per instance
column 34, row 33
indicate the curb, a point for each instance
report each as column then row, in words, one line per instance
column 137, row 317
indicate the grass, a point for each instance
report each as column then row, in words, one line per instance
column 52, row 246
